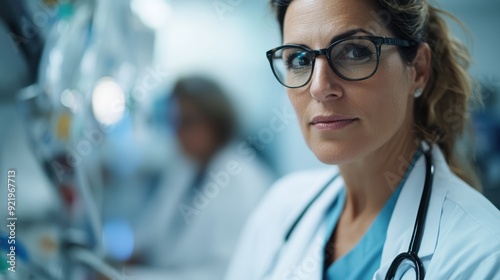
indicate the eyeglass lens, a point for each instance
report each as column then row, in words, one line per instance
column 352, row 59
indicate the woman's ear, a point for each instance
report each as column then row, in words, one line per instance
column 422, row 66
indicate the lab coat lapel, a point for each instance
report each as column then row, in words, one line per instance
column 302, row 256
column 403, row 218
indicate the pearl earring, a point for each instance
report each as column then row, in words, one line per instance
column 418, row 92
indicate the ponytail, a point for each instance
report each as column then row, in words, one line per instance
column 441, row 113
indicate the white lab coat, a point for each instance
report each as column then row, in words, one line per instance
column 461, row 238
column 191, row 234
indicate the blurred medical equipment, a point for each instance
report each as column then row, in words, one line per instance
column 87, row 80
column 21, row 43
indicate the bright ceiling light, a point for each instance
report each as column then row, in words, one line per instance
column 108, row 101
column 154, row 13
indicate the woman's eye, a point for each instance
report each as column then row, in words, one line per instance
column 298, row 60
column 357, row 52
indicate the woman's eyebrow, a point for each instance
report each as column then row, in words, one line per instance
column 340, row 36
column 348, row 33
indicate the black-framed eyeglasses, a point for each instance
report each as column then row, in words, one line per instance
column 352, row 58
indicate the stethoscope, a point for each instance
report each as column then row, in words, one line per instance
column 411, row 255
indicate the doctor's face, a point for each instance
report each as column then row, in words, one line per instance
column 345, row 121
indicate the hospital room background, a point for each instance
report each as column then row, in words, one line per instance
column 103, row 108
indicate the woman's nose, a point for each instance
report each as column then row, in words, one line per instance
column 324, row 84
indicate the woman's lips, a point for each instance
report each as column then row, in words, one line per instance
column 332, row 122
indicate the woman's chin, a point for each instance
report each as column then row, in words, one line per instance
column 334, row 156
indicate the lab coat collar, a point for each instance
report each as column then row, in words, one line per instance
column 298, row 259
column 403, row 218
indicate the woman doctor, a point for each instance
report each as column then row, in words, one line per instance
column 380, row 90
column 192, row 225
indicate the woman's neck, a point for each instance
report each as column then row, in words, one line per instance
column 371, row 181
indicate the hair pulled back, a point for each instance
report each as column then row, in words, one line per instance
column 441, row 113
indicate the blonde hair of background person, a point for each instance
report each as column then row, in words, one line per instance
column 364, row 122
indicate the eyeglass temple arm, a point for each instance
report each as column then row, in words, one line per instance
column 398, row 42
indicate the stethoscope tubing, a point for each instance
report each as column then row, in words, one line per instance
column 311, row 202
column 418, row 229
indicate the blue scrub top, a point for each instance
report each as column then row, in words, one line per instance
column 363, row 260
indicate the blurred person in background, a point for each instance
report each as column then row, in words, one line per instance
column 194, row 220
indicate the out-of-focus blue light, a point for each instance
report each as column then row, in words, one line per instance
column 118, row 239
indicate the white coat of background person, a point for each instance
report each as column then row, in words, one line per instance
column 206, row 196
column 369, row 96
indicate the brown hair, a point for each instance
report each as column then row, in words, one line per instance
column 441, row 113
column 212, row 101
